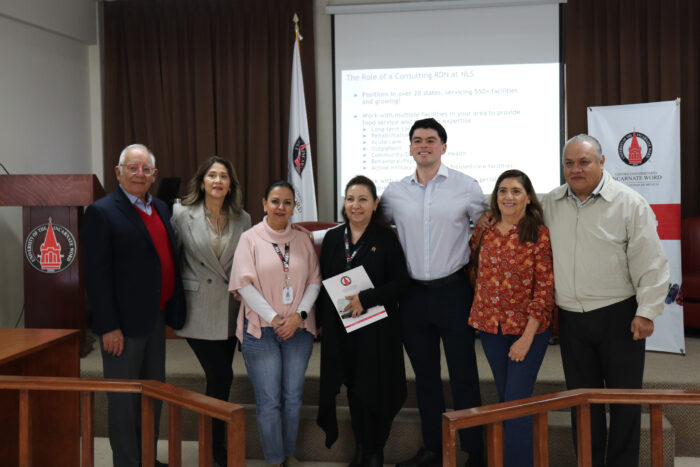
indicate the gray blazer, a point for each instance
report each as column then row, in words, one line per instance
column 211, row 309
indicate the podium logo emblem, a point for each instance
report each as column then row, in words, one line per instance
column 634, row 149
column 50, row 248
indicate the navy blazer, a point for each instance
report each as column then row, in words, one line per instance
column 122, row 269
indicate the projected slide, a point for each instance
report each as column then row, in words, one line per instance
column 497, row 117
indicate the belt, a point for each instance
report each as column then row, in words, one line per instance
column 443, row 281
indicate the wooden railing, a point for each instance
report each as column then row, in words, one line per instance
column 493, row 416
column 177, row 399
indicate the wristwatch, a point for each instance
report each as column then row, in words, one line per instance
column 303, row 315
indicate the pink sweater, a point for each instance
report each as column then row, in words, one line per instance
column 256, row 263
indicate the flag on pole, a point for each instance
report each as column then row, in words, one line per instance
column 301, row 174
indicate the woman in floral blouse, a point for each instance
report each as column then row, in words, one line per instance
column 514, row 299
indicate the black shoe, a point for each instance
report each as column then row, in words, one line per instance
column 220, row 457
column 423, row 458
column 158, row 463
column 359, row 457
column 475, row 460
column 374, row 460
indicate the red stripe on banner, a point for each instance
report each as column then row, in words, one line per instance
column 365, row 319
column 668, row 218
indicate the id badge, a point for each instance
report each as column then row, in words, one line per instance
column 287, row 295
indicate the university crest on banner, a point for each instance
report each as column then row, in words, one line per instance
column 646, row 140
column 630, row 150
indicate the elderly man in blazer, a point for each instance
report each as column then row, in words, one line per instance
column 133, row 290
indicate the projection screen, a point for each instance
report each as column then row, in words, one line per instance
column 491, row 75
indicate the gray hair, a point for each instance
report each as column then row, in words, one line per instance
column 122, row 155
column 584, row 138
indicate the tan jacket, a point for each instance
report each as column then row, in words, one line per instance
column 211, row 309
column 606, row 251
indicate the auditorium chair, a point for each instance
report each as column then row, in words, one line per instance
column 316, row 225
column 690, row 258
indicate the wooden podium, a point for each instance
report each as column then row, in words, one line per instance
column 52, row 209
column 55, row 416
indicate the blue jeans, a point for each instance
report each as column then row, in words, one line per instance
column 276, row 369
column 515, row 380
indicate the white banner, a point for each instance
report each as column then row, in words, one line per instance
column 641, row 143
column 301, row 173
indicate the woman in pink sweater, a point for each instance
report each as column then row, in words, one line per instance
column 276, row 272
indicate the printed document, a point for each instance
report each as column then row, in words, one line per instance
column 350, row 283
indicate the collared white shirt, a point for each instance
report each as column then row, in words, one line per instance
column 594, row 193
column 433, row 220
column 136, row 201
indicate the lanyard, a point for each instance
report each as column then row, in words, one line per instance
column 284, row 258
column 349, row 256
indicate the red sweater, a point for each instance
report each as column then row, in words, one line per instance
column 162, row 243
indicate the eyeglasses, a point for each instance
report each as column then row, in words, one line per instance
column 133, row 169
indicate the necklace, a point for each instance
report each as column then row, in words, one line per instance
column 218, row 223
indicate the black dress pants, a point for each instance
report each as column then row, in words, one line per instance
column 430, row 315
column 216, row 358
column 598, row 351
column 142, row 358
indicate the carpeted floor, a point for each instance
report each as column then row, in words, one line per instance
column 663, row 371
column 103, row 455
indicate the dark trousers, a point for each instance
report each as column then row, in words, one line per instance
column 429, row 315
column 598, row 351
column 216, row 358
column 371, row 433
column 142, row 358
column 515, row 380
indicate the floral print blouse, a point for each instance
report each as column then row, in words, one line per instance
column 515, row 282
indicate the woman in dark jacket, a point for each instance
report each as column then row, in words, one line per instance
column 368, row 361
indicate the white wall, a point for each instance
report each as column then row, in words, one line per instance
column 50, row 109
column 50, row 112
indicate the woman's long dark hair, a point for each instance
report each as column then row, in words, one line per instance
column 529, row 225
column 378, row 215
column 195, row 191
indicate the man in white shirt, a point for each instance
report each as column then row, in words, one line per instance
column 611, row 278
column 432, row 210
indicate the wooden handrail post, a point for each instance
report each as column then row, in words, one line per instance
column 174, row 435
column 540, row 439
column 656, row 434
column 583, row 435
column 148, row 441
column 151, row 393
column 449, row 448
column 25, row 429
column 87, row 416
column 494, row 444
column 236, row 440
column 205, row 443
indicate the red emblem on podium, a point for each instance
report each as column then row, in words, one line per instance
column 50, row 258
column 57, row 251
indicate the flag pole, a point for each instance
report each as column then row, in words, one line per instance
column 300, row 167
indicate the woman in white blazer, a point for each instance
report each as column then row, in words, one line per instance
column 208, row 225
